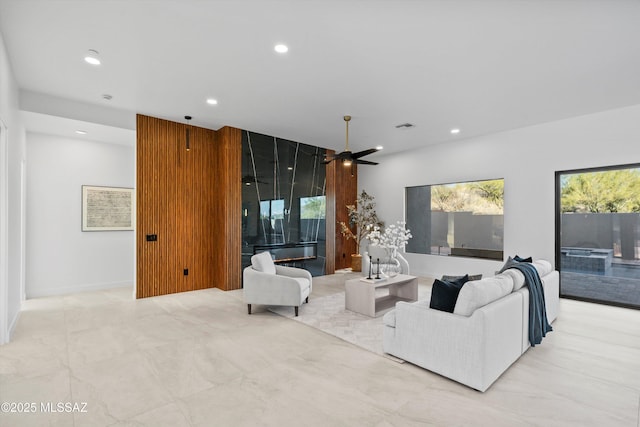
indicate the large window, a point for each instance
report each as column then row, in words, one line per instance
column 313, row 212
column 598, row 234
column 271, row 217
column 459, row 219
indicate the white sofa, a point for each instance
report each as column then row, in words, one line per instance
column 486, row 333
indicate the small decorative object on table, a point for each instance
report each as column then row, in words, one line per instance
column 374, row 279
column 377, row 278
column 391, row 266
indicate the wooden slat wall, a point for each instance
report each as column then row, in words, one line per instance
column 227, row 230
column 186, row 198
column 342, row 190
column 196, row 206
column 153, row 193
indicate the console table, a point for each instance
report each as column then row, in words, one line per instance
column 361, row 296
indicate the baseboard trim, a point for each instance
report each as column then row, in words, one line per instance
column 8, row 334
column 39, row 293
column 12, row 326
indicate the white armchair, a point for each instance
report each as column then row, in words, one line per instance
column 380, row 252
column 268, row 284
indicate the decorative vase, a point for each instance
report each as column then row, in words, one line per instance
column 356, row 262
column 391, row 266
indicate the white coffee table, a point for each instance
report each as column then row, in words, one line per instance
column 361, row 297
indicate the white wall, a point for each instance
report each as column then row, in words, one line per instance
column 526, row 158
column 61, row 258
column 11, row 267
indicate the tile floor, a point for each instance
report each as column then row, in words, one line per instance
column 198, row 359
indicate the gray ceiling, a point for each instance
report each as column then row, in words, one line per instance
column 483, row 66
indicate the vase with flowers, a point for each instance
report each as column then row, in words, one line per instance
column 393, row 238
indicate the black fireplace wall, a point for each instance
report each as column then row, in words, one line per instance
column 283, row 196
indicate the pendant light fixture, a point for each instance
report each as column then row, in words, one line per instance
column 187, row 118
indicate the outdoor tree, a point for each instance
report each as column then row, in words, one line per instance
column 492, row 191
column 600, row 192
column 447, row 198
column 480, row 197
column 314, row 208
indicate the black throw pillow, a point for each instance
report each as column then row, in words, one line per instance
column 444, row 293
column 511, row 261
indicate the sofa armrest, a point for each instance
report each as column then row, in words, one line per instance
column 421, row 329
column 551, row 286
column 282, row 270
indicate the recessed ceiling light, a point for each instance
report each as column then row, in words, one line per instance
column 212, row 101
column 455, row 131
column 81, row 132
column 281, row 48
column 379, row 147
column 290, row 168
column 92, row 57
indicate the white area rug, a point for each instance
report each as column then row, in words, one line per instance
column 329, row 315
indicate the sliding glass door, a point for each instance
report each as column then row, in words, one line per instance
column 598, row 234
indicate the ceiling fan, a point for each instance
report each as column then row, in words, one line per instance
column 347, row 157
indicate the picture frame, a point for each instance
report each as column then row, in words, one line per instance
column 108, row 208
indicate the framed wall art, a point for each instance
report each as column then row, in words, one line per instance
column 107, row 208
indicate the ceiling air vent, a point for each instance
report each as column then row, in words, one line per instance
column 405, row 125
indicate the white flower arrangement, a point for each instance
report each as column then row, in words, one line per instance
column 394, row 237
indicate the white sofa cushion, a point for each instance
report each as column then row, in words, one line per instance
column 262, row 262
column 479, row 293
column 543, row 266
column 516, row 276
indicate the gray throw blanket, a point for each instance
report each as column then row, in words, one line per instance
column 538, row 323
